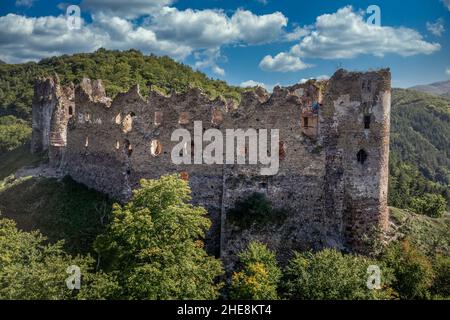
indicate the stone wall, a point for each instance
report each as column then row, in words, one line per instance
column 333, row 196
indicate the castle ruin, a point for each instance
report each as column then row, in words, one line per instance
column 333, row 151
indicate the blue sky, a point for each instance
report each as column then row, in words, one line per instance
column 244, row 42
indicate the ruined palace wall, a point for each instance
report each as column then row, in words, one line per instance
column 109, row 149
column 331, row 198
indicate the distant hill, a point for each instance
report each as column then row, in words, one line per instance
column 119, row 70
column 441, row 88
column 2, row 62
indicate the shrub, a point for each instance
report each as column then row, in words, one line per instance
column 329, row 274
column 259, row 275
column 255, row 210
column 441, row 282
column 432, row 205
column 412, row 270
column 13, row 133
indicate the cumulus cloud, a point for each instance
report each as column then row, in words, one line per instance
column 162, row 30
column 447, row 71
column 436, row 28
column 282, row 62
column 252, row 83
column 345, row 34
column 126, row 9
column 26, row 38
column 23, row 38
column 208, row 59
column 211, row 28
column 321, row 77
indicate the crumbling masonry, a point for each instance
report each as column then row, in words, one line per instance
column 334, row 148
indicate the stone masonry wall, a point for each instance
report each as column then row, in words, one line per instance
column 333, row 197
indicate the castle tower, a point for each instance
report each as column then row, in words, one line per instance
column 53, row 106
column 356, row 124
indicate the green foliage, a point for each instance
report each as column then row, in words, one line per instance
column 429, row 235
column 420, row 151
column 258, row 276
column 60, row 209
column 32, row 269
column 329, row 274
column 13, row 160
column 154, row 244
column 255, row 210
column 432, row 205
column 407, row 183
column 412, row 270
column 118, row 70
column 13, row 132
column 441, row 282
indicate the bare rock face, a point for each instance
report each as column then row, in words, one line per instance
column 333, row 152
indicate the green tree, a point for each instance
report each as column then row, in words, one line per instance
column 329, row 274
column 258, row 276
column 32, row 269
column 441, row 281
column 412, row 270
column 432, row 205
column 13, row 133
column 154, row 244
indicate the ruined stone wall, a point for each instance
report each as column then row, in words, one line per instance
column 331, row 198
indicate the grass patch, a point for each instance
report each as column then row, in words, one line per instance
column 59, row 209
column 13, row 160
column 430, row 235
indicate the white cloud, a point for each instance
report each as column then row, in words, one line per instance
column 447, row 71
column 24, row 38
column 297, row 34
column 282, row 62
column 126, row 9
column 321, row 77
column 211, row 28
column 207, row 59
column 252, row 83
column 254, row 29
column 345, row 34
column 446, row 4
column 436, row 28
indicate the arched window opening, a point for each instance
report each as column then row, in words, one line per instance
column 282, row 150
column 184, row 175
column 127, row 123
column 118, row 119
column 217, row 117
column 158, row 118
column 184, row 118
column 117, row 144
column 361, row 156
column 305, row 122
column 367, row 122
column 127, row 147
column 155, row 147
column 86, row 143
column 70, row 111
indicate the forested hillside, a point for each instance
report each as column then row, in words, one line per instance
column 420, row 126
